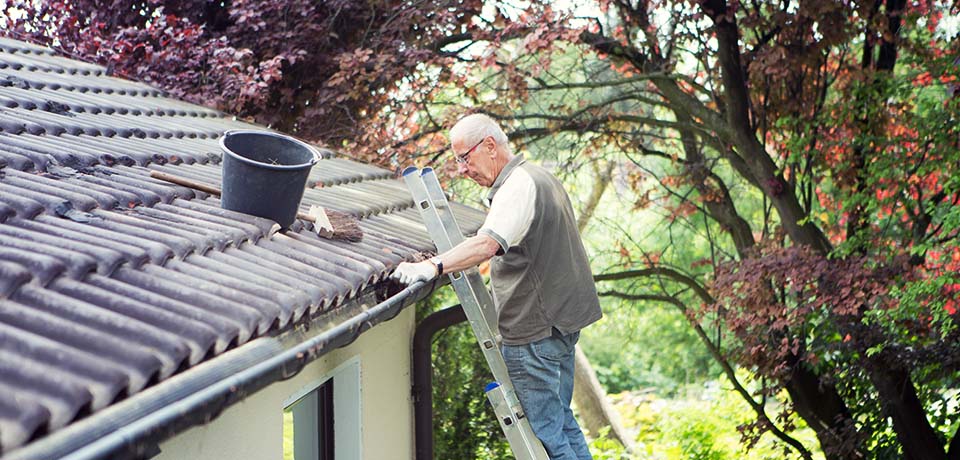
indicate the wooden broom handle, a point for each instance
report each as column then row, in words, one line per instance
column 185, row 182
column 207, row 189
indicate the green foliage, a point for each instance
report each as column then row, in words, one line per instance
column 646, row 345
column 604, row 448
column 702, row 424
column 464, row 424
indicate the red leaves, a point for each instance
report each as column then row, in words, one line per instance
column 643, row 201
column 924, row 79
column 779, row 291
column 626, row 69
column 951, row 292
column 625, row 258
column 701, row 263
column 651, row 259
column 683, row 209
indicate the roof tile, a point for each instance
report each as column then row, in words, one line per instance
column 107, row 259
column 143, row 344
column 20, row 418
column 12, row 276
column 226, row 327
column 81, row 196
column 42, row 267
column 65, row 397
column 101, row 377
column 80, row 199
column 135, row 361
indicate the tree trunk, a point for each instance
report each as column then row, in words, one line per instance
column 953, row 453
column 825, row 412
column 602, row 176
column 900, row 402
column 815, row 402
column 820, row 405
column 594, row 408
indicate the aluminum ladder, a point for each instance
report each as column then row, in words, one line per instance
column 428, row 197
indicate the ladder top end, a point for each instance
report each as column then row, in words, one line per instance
column 409, row 170
column 425, row 171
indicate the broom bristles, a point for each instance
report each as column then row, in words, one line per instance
column 345, row 226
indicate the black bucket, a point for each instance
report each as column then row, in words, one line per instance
column 264, row 174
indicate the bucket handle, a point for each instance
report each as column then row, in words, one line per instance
column 314, row 152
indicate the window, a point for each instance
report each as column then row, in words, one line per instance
column 310, row 422
column 322, row 421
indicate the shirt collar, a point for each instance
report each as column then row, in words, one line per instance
column 502, row 177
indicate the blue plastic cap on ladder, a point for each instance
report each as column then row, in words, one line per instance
column 425, row 171
column 409, row 170
column 490, row 386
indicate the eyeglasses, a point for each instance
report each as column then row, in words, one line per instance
column 462, row 158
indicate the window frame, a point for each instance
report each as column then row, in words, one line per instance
column 337, row 395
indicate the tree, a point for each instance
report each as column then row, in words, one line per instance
column 813, row 148
column 810, row 148
column 325, row 71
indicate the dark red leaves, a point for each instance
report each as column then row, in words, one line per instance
column 316, row 69
column 770, row 301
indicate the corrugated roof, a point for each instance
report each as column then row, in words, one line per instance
column 111, row 281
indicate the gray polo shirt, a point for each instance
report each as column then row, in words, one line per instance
column 542, row 281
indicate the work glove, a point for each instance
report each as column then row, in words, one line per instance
column 409, row 273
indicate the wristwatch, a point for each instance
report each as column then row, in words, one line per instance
column 437, row 263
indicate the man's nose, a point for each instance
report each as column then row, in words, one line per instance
column 462, row 168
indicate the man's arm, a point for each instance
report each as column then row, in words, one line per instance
column 506, row 224
column 469, row 253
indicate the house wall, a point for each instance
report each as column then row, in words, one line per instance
column 253, row 428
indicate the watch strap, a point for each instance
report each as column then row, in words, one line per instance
column 437, row 263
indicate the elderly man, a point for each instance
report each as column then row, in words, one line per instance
column 542, row 285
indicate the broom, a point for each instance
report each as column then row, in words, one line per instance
column 330, row 224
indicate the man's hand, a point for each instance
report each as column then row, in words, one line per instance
column 409, row 273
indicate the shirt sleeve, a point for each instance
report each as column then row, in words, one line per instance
column 511, row 211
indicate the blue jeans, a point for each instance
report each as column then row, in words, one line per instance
column 542, row 374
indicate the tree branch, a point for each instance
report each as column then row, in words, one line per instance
column 762, row 167
column 723, row 210
column 660, row 271
column 593, row 85
column 728, row 370
column 665, row 84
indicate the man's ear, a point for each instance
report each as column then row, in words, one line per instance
column 491, row 145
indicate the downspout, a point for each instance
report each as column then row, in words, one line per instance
column 423, row 376
column 134, row 429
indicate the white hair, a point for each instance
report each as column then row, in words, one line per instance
column 475, row 128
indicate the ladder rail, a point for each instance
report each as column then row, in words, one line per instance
column 468, row 284
column 480, row 310
column 449, row 223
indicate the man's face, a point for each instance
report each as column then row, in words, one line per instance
column 476, row 160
